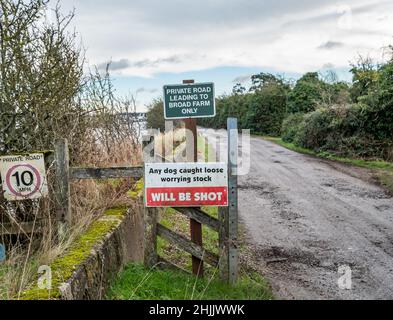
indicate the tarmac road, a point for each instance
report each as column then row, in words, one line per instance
column 306, row 217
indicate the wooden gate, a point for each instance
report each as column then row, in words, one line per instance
column 226, row 225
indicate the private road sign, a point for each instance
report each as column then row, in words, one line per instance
column 23, row 177
column 189, row 101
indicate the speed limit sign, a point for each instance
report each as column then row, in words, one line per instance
column 23, row 177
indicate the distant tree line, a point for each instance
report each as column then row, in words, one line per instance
column 318, row 111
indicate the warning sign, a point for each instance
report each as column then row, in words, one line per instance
column 186, row 184
column 23, row 177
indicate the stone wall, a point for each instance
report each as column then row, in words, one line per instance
column 123, row 245
column 85, row 271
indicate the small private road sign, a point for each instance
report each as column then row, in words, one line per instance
column 189, row 101
column 186, row 184
column 23, row 177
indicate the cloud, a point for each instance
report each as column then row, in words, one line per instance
column 331, row 45
column 242, row 79
column 120, row 65
column 328, row 66
column 150, row 37
column 174, row 59
column 114, row 65
column 145, row 90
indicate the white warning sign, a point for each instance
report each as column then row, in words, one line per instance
column 186, row 184
column 23, row 177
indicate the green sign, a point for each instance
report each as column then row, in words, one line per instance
column 189, row 101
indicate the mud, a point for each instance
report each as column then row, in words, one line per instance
column 306, row 217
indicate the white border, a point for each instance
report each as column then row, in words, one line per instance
column 187, row 85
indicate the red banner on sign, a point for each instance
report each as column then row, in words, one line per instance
column 187, row 197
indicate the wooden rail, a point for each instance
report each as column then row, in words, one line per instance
column 201, row 217
column 187, row 245
column 106, row 173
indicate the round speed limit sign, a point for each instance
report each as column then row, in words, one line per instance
column 23, row 177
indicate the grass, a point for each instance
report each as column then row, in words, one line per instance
column 382, row 170
column 386, row 178
column 138, row 283
column 3, row 288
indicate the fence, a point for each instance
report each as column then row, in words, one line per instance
column 226, row 225
column 64, row 174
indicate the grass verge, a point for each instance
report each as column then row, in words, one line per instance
column 138, row 283
column 382, row 170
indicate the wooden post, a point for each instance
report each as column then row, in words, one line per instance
column 163, row 137
column 223, row 244
column 169, row 129
column 233, row 200
column 146, row 141
column 150, row 257
column 192, row 156
column 62, row 198
column 206, row 153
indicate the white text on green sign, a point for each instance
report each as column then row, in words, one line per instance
column 189, row 101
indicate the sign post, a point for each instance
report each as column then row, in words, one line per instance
column 192, row 156
column 190, row 101
column 233, row 203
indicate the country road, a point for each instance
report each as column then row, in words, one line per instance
column 306, row 217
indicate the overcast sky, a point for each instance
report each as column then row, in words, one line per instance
column 154, row 42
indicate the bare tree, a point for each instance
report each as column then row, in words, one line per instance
column 41, row 70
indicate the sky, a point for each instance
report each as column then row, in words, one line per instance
column 151, row 43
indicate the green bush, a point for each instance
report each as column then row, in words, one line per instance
column 291, row 126
column 261, row 110
column 307, row 94
column 339, row 130
column 267, row 109
column 357, row 146
column 315, row 129
column 376, row 93
column 321, row 115
column 382, row 122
